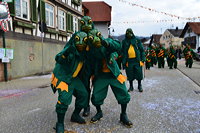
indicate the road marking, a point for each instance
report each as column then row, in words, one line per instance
column 34, row 110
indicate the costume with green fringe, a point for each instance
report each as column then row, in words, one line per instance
column 65, row 79
column 189, row 55
column 107, row 73
column 172, row 59
column 133, row 58
column 161, row 54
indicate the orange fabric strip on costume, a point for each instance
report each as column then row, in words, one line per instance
column 63, row 86
column 54, row 80
column 105, row 67
column 77, row 69
column 161, row 53
column 121, row 78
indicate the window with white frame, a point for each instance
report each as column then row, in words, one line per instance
column 69, row 2
column 22, row 9
column 75, row 26
column 61, row 20
column 49, row 10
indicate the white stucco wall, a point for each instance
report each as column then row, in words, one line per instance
column 103, row 28
column 198, row 42
column 167, row 38
column 197, row 38
column 189, row 34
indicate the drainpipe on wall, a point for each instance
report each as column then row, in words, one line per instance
column 5, row 64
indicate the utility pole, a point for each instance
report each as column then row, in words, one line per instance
column 4, row 64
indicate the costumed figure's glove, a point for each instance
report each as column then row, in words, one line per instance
column 141, row 63
column 121, row 78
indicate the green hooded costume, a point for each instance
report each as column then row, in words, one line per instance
column 161, row 54
column 107, row 73
column 189, row 55
column 88, row 68
column 172, row 59
column 148, row 62
column 153, row 55
column 65, row 79
column 133, row 58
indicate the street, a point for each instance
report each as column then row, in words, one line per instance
column 170, row 103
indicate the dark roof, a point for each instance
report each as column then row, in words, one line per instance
column 99, row 11
column 175, row 32
column 155, row 38
column 195, row 26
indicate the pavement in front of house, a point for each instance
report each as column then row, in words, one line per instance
column 169, row 104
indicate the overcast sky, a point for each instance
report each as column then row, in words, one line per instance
column 125, row 16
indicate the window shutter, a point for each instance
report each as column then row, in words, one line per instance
column 42, row 11
column 79, row 24
column 11, row 6
column 33, row 11
column 68, row 21
column 71, row 25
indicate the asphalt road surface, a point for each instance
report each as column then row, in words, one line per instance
column 169, row 104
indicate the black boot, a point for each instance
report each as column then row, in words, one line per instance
column 186, row 64
column 98, row 115
column 124, row 118
column 60, row 124
column 140, row 86
column 131, row 86
column 125, row 121
column 86, row 111
column 76, row 116
column 60, row 128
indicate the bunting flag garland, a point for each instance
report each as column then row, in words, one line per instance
column 164, row 13
column 152, row 21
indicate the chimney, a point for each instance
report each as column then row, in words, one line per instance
column 176, row 28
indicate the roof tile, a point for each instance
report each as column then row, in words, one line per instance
column 99, row 11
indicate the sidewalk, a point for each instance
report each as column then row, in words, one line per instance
column 192, row 73
column 22, row 85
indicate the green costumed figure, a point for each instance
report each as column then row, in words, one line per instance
column 148, row 63
column 133, row 58
column 161, row 54
column 153, row 55
column 172, row 59
column 107, row 73
column 66, row 82
column 167, row 57
column 88, row 68
column 189, row 55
